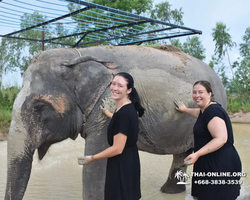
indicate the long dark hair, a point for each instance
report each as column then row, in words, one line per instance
column 133, row 95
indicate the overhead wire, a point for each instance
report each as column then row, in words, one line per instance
column 98, row 22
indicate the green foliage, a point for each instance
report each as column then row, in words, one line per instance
column 223, row 40
column 132, row 6
column 236, row 103
column 5, row 119
column 194, row 47
column 100, row 17
column 245, row 47
column 223, row 43
column 10, row 54
column 17, row 53
column 163, row 12
column 86, row 17
column 176, row 43
column 241, row 83
column 7, row 97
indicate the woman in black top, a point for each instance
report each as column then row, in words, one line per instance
column 217, row 166
column 123, row 165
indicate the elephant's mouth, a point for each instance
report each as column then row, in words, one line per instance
column 42, row 150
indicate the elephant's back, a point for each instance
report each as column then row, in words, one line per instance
column 161, row 60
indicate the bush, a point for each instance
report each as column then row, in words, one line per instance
column 236, row 103
column 7, row 98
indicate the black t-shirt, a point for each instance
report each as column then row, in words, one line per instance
column 124, row 121
column 201, row 133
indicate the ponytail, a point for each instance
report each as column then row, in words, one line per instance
column 134, row 97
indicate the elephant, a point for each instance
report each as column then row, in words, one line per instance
column 61, row 95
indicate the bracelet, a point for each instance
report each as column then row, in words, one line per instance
column 92, row 157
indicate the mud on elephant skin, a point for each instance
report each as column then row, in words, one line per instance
column 61, row 96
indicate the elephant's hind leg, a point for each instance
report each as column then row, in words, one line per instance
column 178, row 167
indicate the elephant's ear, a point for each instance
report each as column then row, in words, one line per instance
column 94, row 76
column 109, row 65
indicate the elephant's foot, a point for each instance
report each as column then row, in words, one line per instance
column 171, row 187
column 177, row 174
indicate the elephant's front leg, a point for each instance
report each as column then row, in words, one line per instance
column 171, row 186
column 94, row 180
column 94, row 173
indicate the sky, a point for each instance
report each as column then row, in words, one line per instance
column 199, row 15
column 203, row 15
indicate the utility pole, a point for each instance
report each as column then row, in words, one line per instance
column 43, row 39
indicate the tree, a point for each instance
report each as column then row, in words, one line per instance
column 241, row 83
column 24, row 50
column 10, row 55
column 163, row 12
column 194, row 47
column 245, row 47
column 223, row 42
column 17, row 53
column 176, row 43
column 133, row 6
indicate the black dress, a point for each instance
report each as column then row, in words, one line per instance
column 123, row 171
column 215, row 175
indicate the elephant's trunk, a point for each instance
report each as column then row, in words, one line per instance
column 19, row 169
column 20, row 155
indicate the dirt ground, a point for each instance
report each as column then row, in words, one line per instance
column 239, row 117
column 3, row 136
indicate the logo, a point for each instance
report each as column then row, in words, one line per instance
column 182, row 177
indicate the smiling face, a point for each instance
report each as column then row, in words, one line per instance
column 119, row 89
column 201, row 96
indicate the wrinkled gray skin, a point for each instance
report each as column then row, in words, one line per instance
column 61, row 95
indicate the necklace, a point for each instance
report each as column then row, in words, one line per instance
column 203, row 109
column 125, row 102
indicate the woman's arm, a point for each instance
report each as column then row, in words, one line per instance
column 116, row 149
column 218, row 130
column 108, row 113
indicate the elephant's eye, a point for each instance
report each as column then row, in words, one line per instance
column 38, row 106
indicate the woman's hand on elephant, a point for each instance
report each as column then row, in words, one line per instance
column 108, row 103
column 179, row 105
column 191, row 159
column 85, row 160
